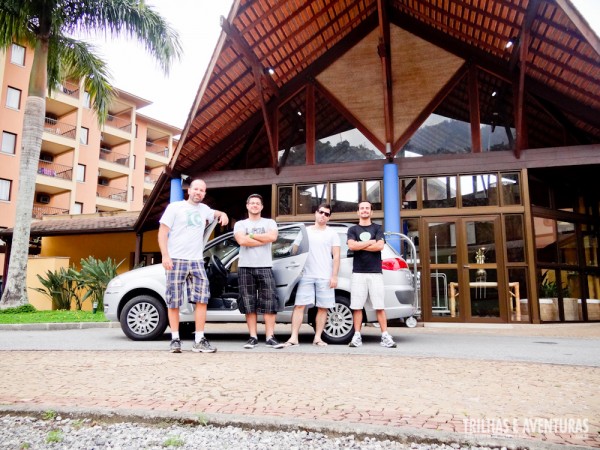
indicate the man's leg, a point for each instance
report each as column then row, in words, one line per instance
column 320, row 323
column 251, row 322
column 382, row 319
column 174, row 319
column 269, row 324
column 357, row 315
column 200, row 317
column 297, row 317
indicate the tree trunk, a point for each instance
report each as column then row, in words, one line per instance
column 15, row 292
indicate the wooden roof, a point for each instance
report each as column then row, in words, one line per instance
column 270, row 49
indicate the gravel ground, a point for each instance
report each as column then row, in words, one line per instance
column 55, row 432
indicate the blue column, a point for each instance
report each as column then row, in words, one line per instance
column 176, row 190
column 391, row 203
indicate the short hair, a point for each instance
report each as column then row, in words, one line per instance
column 258, row 196
column 325, row 205
column 364, row 201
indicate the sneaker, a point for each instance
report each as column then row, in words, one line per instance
column 252, row 342
column 388, row 341
column 273, row 343
column 203, row 346
column 356, row 341
column 175, row 346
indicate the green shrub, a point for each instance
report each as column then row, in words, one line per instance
column 28, row 308
column 94, row 276
column 61, row 287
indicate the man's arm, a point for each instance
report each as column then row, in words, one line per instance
column 163, row 239
column 265, row 238
column 221, row 217
column 335, row 252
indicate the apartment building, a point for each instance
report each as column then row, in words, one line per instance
column 83, row 168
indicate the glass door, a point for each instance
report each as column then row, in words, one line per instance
column 466, row 270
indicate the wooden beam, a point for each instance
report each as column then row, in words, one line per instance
column 384, row 51
column 520, row 96
column 309, row 125
column 532, row 9
column 474, row 115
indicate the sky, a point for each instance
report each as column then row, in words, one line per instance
column 198, row 25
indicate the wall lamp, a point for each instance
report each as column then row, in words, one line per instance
column 512, row 41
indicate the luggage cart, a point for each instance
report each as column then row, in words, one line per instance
column 411, row 321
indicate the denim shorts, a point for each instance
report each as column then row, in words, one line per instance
column 311, row 288
column 189, row 278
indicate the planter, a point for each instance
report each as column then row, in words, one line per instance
column 593, row 309
column 549, row 309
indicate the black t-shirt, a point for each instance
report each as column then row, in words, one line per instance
column 366, row 261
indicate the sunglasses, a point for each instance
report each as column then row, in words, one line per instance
column 325, row 213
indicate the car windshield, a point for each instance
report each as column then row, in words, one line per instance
column 225, row 250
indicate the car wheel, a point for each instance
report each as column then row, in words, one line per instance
column 144, row 318
column 339, row 327
column 410, row 322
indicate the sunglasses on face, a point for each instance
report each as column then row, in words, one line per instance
column 325, row 213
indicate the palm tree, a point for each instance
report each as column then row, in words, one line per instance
column 47, row 26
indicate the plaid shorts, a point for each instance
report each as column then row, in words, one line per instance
column 258, row 291
column 189, row 278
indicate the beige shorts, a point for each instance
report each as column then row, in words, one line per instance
column 367, row 285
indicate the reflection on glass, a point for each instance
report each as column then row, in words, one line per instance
column 567, row 243
column 479, row 190
column 515, row 244
column 345, row 196
column 545, row 239
column 495, row 138
column 593, row 301
column 284, row 206
column 511, row 189
column 443, row 303
column 572, row 293
column 439, row 192
column 408, row 193
column 410, row 228
column 373, row 189
column 483, row 285
column 442, row 243
column 590, row 245
column 518, row 297
column 481, row 240
column 309, row 196
column 349, row 145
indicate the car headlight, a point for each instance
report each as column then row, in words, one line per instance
column 116, row 282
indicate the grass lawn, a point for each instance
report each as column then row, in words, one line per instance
column 50, row 317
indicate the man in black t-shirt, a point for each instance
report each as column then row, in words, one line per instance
column 366, row 241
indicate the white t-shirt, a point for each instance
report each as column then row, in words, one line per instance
column 255, row 256
column 186, row 223
column 319, row 261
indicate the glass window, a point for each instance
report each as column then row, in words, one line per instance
column 13, row 98
column 80, row 172
column 442, row 243
column 408, row 193
column 545, row 239
column 309, row 196
column 285, row 201
column 5, row 186
column 84, row 135
column 9, row 142
column 567, row 243
column 283, row 246
column 78, row 208
column 345, row 196
column 519, row 306
column 17, row 54
column 374, row 196
column 590, row 247
column 132, row 192
column 511, row 189
column 87, row 100
column 593, row 300
column 479, row 190
column 439, row 192
column 349, row 145
column 515, row 244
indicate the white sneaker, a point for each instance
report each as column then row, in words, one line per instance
column 356, row 340
column 388, row 341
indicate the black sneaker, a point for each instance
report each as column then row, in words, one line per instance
column 252, row 342
column 203, row 346
column 175, row 346
column 273, row 343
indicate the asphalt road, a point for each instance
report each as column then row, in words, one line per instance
column 483, row 345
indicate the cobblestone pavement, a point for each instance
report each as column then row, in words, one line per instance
column 542, row 404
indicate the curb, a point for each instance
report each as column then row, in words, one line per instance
column 58, row 326
column 403, row 435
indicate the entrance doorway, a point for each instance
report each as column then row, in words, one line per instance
column 465, row 271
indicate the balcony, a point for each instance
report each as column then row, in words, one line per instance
column 70, row 89
column 157, row 149
column 50, row 169
column 111, row 193
column 40, row 211
column 53, row 126
column 106, row 154
column 151, row 178
column 119, row 123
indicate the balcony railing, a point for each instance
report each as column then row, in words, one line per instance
column 150, row 178
column 112, row 193
column 118, row 158
column 118, row 122
column 59, row 128
column 55, row 170
column 157, row 149
column 71, row 89
column 40, row 211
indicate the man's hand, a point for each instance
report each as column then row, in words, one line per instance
column 167, row 263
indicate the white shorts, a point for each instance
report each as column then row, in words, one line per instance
column 367, row 285
column 309, row 288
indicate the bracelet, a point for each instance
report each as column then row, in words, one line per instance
column 251, row 235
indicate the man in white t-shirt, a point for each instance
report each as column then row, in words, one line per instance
column 320, row 276
column 258, row 291
column 181, row 242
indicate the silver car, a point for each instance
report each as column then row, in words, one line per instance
column 137, row 298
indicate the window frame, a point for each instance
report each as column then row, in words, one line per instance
column 10, row 89
column 21, row 62
column 14, row 143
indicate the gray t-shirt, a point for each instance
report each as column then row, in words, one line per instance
column 255, row 256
